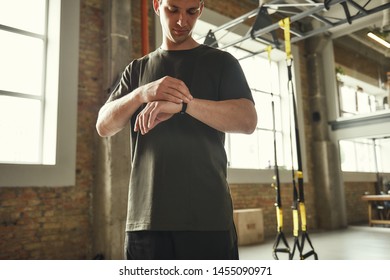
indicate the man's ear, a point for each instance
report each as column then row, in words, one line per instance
column 156, row 7
column 201, row 9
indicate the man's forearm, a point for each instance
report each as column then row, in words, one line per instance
column 235, row 115
column 114, row 115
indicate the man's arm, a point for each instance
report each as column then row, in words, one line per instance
column 234, row 115
column 114, row 115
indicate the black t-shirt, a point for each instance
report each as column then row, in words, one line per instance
column 178, row 178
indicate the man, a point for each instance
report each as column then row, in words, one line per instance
column 180, row 100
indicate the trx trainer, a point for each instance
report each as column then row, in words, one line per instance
column 297, row 177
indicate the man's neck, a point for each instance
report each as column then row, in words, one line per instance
column 171, row 46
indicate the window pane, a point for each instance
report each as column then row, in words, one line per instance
column 264, row 111
column 266, row 144
column 348, row 99
column 358, row 156
column 20, row 126
column 244, row 151
column 365, row 157
column 363, row 102
column 30, row 14
column 279, row 151
column 347, row 155
column 257, row 72
column 21, row 64
column 260, row 74
column 373, row 104
column 383, row 155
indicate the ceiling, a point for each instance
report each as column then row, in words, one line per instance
column 347, row 22
column 337, row 18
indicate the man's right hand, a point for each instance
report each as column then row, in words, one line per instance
column 166, row 89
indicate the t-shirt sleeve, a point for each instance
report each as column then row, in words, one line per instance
column 124, row 86
column 233, row 81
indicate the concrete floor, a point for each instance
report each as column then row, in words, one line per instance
column 353, row 243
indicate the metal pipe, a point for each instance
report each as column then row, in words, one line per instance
column 144, row 27
column 234, row 22
column 309, row 12
column 275, row 26
column 240, row 19
column 340, row 22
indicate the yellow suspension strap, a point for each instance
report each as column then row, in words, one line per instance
column 280, row 244
column 304, row 234
column 298, row 195
column 295, row 212
column 285, row 24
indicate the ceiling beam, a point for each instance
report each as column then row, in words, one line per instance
column 321, row 15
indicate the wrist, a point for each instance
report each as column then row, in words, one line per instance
column 139, row 96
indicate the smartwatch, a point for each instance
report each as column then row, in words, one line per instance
column 183, row 108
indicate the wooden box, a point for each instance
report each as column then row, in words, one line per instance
column 250, row 226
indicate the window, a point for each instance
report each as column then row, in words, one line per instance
column 23, row 34
column 357, row 97
column 251, row 157
column 256, row 151
column 365, row 155
column 38, row 91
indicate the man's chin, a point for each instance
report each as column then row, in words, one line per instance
column 179, row 40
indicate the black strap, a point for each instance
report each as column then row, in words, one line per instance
column 280, row 244
column 298, row 193
column 183, row 108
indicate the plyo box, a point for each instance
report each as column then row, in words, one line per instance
column 249, row 225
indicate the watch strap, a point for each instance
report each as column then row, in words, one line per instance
column 183, row 108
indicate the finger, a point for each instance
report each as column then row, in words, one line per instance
column 183, row 89
column 153, row 116
column 139, row 119
column 180, row 90
column 138, row 122
column 177, row 88
column 144, row 128
column 136, row 125
column 172, row 95
column 148, row 114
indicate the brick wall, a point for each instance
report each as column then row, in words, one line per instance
column 44, row 223
column 357, row 62
column 233, row 8
column 264, row 196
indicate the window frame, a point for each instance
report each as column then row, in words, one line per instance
column 60, row 109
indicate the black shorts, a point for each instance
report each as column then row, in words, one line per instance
column 181, row 245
